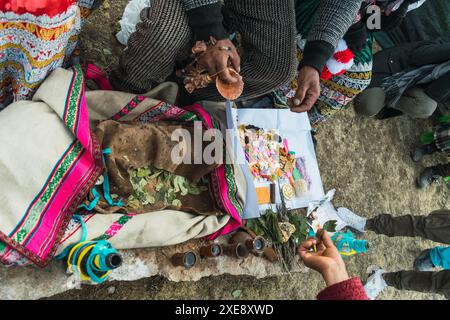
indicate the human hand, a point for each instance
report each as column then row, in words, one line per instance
column 218, row 58
column 308, row 90
column 326, row 260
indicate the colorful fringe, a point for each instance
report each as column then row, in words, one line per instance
column 33, row 44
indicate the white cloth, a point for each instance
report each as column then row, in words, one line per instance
column 131, row 17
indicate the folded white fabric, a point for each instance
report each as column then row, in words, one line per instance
column 131, row 17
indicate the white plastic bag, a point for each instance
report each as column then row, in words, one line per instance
column 131, row 17
column 411, row 7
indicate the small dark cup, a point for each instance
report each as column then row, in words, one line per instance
column 236, row 250
column 186, row 259
column 212, row 251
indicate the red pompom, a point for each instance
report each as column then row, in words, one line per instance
column 344, row 56
column 326, row 74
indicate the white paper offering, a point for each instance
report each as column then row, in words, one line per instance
column 296, row 129
column 320, row 212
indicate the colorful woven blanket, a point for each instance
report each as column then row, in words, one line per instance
column 50, row 160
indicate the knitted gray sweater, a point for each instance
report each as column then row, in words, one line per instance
column 334, row 18
column 332, row 22
column 192, row 4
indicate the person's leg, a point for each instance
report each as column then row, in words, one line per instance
column 370, row 102
column 435, row 227
column 416, row 104
column 268, row 61
column 433, row 282
column 160, row 39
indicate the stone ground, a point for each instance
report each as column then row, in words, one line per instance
column 367, row 162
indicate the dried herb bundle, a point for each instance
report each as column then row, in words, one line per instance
column 271, row 224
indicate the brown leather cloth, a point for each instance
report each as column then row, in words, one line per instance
column 137, row 145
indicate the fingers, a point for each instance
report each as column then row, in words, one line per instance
column 225, row 75
column 306, row 255
column 303, row 254
column 326, row 240
column 299, row 97
column 211, row 68
column 219, row 64
column 235, row 60
column 308, row 244
column 309, row 101
column 219, row 58
column 308, row 90
column 306, row 104
column 321, row 246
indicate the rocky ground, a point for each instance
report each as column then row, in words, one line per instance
column 367, row 161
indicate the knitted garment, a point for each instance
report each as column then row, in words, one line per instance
column 192, row 4
column 267, row 29
column 33, row 44
column 340, row 89
column 351, row 289
column 341, row 61
column 332, row 19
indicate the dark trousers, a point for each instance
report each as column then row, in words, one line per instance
column 444, row 170
column 435, row 227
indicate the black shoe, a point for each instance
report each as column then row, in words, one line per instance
column 418, row 153
column 427, row 177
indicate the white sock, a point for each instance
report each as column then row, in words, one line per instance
column 352, row 219
column 375, row 283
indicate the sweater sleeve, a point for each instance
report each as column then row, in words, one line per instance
column 205, row 19
column 192, row 4
column 351, row 289
column 333, row 19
